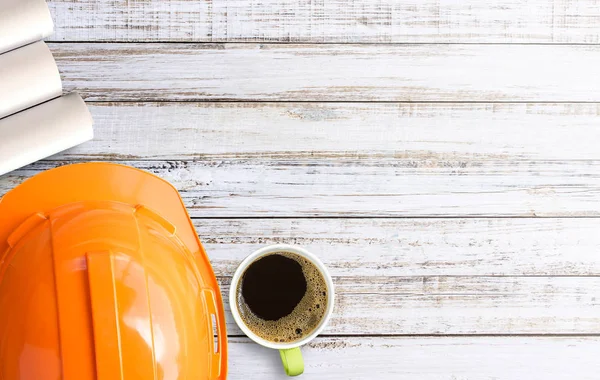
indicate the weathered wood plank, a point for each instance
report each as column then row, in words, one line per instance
column 457, row 358
column 441, row 305
column 185, row 72
column 493, row 282
column 459, row 131
column 417, row 247
column 414, row 186
column 467, row 21
column 436, row 276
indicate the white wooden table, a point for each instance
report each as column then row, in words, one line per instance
column 442, row 157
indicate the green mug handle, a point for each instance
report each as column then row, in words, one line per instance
column 292, row 361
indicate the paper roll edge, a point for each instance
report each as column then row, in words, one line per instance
column 26, row 10
column 83, row 133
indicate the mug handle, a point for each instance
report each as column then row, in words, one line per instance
column 292, row 361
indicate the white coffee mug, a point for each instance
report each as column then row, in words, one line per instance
column 291, row 356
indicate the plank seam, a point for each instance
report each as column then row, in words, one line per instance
column 358, row 102
column 307, row 42
column 541, row 335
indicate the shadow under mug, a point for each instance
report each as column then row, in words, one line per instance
column 291, row 356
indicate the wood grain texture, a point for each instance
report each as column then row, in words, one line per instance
column 459, row 358
column 453, row 279
column 416, row 247
column 186, row 72
column 373, row 187
column 446, row 305
column 419, row 131
column 435, row 276
column 467, row 21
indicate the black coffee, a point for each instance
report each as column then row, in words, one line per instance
column 282, row 297
column 273, row 286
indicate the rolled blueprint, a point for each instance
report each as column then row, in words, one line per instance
column 28, row 76
column 23, row 22
column 42, row 131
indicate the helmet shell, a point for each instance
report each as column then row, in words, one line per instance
column 102, row 276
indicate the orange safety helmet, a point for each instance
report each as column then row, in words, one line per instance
column 102, row 276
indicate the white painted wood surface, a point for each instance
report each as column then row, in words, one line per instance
column 492, row 247
column 472, row 305
column 373, row 187
column 321, row 159
column 419, row 132
column 427, row 358
column 417, row 168
column 465, row 21
column 289, row 72
column 436, row 276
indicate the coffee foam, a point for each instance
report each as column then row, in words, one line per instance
column 305, row 317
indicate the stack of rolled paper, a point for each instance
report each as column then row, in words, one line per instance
column 35, row 120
